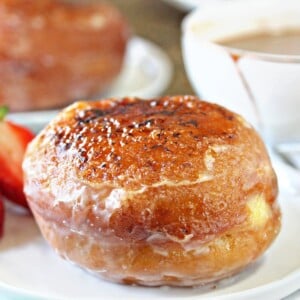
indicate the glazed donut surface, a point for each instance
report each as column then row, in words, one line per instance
column 53, row 52
column 170, row 191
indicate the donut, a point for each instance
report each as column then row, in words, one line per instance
column 168, row 191
column 53, row 52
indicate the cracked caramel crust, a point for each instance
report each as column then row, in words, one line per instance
column 133, row 142
column 165, row 174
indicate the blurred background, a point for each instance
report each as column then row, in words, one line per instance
column 160, row 23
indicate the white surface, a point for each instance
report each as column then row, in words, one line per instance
column 258, row 86
column 146, row 73
column 187, row 5
column 29, row 268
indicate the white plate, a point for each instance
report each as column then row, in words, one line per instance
column 146, row 73
column 187, row 5
column 29, row 268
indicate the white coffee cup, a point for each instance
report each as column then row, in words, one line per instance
column 264, row 88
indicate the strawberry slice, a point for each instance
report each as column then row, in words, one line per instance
column 1, row 216
column 13, row 142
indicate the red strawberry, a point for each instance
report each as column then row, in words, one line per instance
column 1, row 216
column 13, row 142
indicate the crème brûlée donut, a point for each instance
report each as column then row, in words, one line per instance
column 170, row 191
column 53, row 52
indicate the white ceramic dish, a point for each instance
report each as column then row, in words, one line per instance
column 31, row 270
column 187, row 5
column 262, row 87
column 146, row 73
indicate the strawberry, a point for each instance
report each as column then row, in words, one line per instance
column 13, row 142
column 1, row 216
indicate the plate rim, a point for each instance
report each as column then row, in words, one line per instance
column 188, row 5
column 251, row 293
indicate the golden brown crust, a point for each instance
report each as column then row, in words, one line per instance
column 163, row 264
column 169, row 173
column 53, row 52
